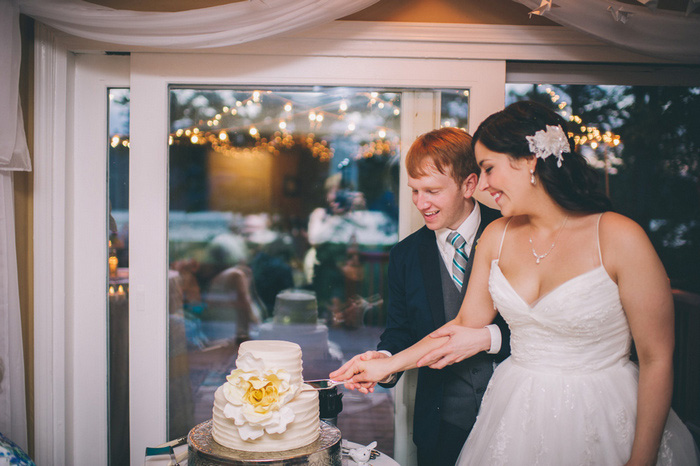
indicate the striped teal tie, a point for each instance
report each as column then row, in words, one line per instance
column 459, row 261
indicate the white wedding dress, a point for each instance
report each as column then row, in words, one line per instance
column 567, row 395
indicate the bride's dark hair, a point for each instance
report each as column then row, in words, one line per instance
column 572, row 185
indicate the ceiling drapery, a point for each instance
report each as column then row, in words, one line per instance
column 660, row 33
column 216, row 26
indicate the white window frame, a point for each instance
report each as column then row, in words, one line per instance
column 70, row 328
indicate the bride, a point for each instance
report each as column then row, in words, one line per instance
column 576, row 284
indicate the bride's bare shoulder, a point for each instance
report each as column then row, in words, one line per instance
column 494, row 231
column 616, row 228
column 621, row 238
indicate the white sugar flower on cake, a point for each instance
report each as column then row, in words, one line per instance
column 256, row 398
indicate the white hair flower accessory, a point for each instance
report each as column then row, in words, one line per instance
column 552, row 141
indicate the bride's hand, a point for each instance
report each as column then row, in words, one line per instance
column 463, row 343
column 347, row 370
column 365, row 373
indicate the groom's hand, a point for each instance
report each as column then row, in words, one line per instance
column 464, row 342
column 347, row 370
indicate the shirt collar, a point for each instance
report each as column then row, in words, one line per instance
column 467, row 230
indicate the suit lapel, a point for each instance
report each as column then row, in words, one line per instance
column 431, row 262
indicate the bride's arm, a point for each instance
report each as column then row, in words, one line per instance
column 467, row 332
column 454, row 341
column 646, row 298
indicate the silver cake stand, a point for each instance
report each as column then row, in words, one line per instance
column 204, row 451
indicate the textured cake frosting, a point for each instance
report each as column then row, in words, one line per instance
column 262, row 406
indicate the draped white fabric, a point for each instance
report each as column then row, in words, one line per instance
column 13, row 143
column 660, row 33
column 13, row 420
column 206, row 27
column 13, row 156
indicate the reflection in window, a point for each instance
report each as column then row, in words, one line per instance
column 118, row 287
column 283, row 208
column 454, row 108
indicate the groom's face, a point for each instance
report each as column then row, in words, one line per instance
column 441, row 201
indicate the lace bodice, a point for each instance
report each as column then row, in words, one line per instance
column 578, row 326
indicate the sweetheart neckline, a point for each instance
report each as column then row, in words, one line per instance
column 541, row 298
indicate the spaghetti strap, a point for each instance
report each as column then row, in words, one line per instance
column 597, row 233
column 504, row 237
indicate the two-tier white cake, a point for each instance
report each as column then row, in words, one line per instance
column 264, row 404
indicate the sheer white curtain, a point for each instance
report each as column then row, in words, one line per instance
column 202, row 28
column 13, row 156
column 660, row 33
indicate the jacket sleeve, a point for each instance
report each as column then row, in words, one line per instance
column 398, row 334
column 504, row 352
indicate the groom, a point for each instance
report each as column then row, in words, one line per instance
column 427, row 280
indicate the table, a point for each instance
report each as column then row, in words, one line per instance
column 181, row 456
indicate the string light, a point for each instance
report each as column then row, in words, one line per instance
column 220, row 139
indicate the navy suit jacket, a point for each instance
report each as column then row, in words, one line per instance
column 416, row 308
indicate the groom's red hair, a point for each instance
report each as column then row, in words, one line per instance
column 448, row 150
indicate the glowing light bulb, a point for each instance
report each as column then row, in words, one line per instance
column 253, row 131
column 381, row 133
column 351, row 127
column 343, row 106
column 396, row 111
column 223, row 136
column 194, row 139
column 283, row 124
column 287, row 107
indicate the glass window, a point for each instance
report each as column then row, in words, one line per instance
column 118, row 263
column 283, row 208
column 454, row 108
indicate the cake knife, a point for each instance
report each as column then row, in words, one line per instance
column 322, row 384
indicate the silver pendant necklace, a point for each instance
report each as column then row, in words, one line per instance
column 539, row 257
